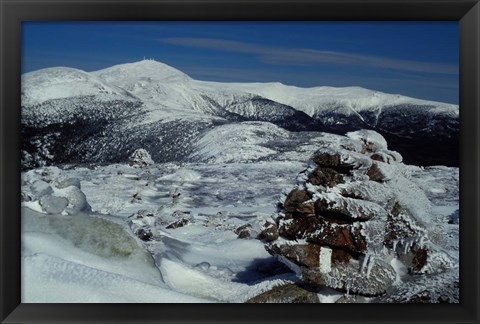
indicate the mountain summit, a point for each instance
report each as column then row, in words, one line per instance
column 69, row 115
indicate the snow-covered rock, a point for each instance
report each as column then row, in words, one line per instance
column 47, row 191
column 140, row 158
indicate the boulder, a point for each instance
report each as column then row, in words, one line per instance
column 269, row 232
column 348, row 209
column 344, row 236
column 371, row 279
column 323, row 176
column 244, row 231
column 53, row 204
column 301, row 254
column 332, row 161
column 295, row 200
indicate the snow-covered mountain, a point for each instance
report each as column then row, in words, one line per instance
column 72, row 116
column 198, row 229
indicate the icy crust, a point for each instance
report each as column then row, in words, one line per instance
column 359, row 200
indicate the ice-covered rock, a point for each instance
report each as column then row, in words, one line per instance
column 77, row 201
column 48, row 191
column 53, row 204
column 352, row 212
column 140, row 158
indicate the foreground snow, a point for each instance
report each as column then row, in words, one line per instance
column 92, row 255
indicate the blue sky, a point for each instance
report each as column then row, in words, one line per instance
column 418, row 59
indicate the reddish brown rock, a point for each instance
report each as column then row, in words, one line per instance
column 338, row 235
column 332, row 161
column 419, row 259
column 244, row 231
column 323, row 176
column 293, row 229
column 348, row 209
column 381, row 157
column 289, row 293
column 342, row 256
column 375, row 174
column 313, row 276
column 269, row 232
column 400, row 224
column 295, row 200
column 352, row 277
column 307, row 208
column 300, row 254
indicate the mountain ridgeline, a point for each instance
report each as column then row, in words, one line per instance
column 71, row 116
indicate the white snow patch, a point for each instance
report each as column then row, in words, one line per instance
column 325, row 260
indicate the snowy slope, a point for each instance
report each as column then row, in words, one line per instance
column 90, row 114
column 63, row 82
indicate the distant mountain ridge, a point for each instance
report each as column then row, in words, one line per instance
column 73, row 116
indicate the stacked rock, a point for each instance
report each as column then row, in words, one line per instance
column 140, row 158
column 352, row 219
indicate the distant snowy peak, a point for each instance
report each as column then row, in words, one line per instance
column 125, row 75
column 154, row 82
column 345, row 100
column 63, row 82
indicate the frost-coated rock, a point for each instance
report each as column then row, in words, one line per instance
column 77, row 201
column 140, row 158
column 352, row 212
column 53, row 205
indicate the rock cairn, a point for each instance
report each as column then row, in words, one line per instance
column 140, row 158
column 354, row 219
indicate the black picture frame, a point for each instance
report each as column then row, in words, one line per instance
column 13, row 12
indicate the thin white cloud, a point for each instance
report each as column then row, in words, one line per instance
column 305, row 56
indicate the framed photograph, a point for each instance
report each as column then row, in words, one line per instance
column 166, row 161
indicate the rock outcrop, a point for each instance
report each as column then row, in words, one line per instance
column 353, row 217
